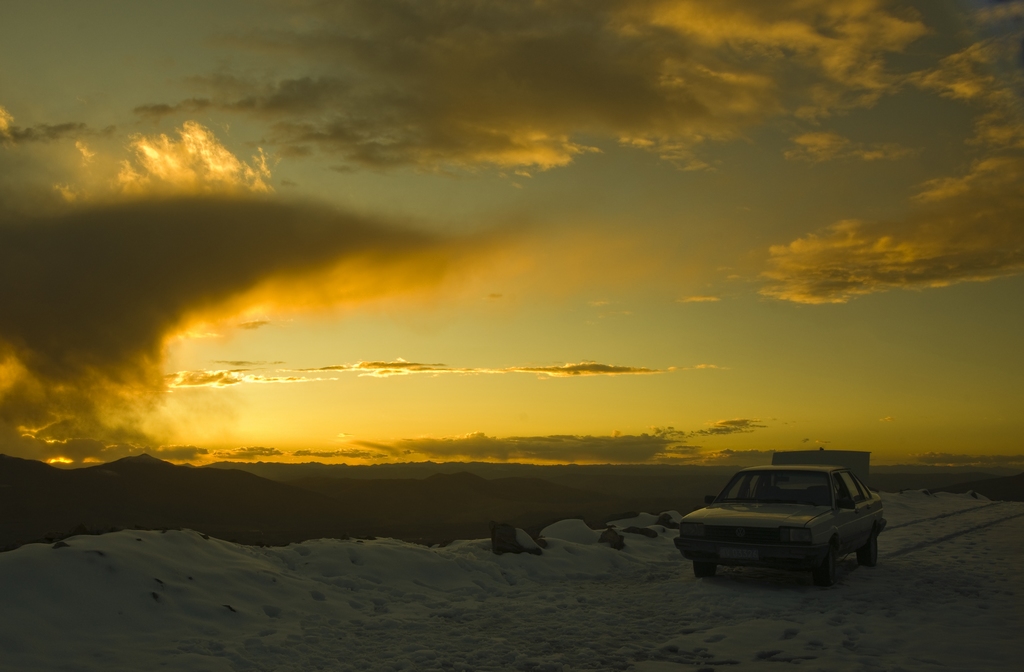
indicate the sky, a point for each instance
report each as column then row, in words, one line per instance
column 551, row 231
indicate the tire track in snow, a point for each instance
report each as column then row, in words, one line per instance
column 943, row 515
column 951, row 535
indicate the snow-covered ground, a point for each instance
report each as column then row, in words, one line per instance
column 946, row 595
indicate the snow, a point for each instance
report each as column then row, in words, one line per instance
column 944, row 596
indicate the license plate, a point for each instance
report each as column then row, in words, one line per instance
column 738, row 553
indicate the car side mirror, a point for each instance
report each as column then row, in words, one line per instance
column 846, row 503
column 709, row 499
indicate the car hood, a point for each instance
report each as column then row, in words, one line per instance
column 756, row 515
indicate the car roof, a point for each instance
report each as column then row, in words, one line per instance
column 796, row 467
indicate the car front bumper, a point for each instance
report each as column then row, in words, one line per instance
column 776, row 556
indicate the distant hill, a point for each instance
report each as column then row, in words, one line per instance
column 620, row 480
column 38, row 501
column 1007, row 488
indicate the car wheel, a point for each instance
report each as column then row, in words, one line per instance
column 702, row 569
column 867, row 554
column 825, row 574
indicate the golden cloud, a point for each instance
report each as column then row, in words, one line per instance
column 826, row 146
column 195, row 163
column 401, row 367
column 966, row 228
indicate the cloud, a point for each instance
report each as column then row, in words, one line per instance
column 160, row 110
column 887, row 418
column 963, row 228
column 826, row 146
column 195, row 163
column 12, row 134
column 248, row 453
column 84, row 451
column 698, row 299
column 556, row 448
column 74, row 366
column 973, row 238
column 527, row 85
column 401, row 367
column 584, row 369
column 343, row 453
column 253, row 324
column 723, row 427
column 227, row 378
column 666, row 445
column 963, row 460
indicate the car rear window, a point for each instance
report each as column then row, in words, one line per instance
column 789, row 487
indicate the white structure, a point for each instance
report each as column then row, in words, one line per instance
column 857, row 461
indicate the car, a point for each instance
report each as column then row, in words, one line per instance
column 798, row 517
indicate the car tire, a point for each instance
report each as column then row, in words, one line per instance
column 867, row 554
column 703, row 569
column 825, row 574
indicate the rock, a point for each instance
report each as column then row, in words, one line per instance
column 646, row 531
column 508, row 539
column 61, row 544
column 613, row 539
column 271, row 610
column 665, row 520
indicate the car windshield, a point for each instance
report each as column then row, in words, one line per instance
column 778, row 487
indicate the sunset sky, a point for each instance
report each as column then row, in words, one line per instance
column 543, row 231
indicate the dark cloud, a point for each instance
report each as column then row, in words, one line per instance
column 90, row 294
column 472, row 83
column 722, row 427
column 963, row 460
column 660, row 445
column 159, row 110
column 245, row 363
column 556, row 448
column 583, row 369
column 349, row 453
column 10, row 133
column 248, row 453
column 253, row 324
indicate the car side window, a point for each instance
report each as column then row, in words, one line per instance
column 851, row 486
column 863, row 488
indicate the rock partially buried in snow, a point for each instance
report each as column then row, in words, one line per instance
column 645, row 531
column 613, row 539
column 572, row 529
column 670, row 519
column 508, row 539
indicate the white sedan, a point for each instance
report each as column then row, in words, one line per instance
column 785, row 517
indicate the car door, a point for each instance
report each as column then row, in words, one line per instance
column 860, row 528
column 845, row 519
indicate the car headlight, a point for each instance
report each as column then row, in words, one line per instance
column 691, row 529
column 799, row 535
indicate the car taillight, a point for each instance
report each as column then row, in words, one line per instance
column 799, row 535
column 691, row 529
